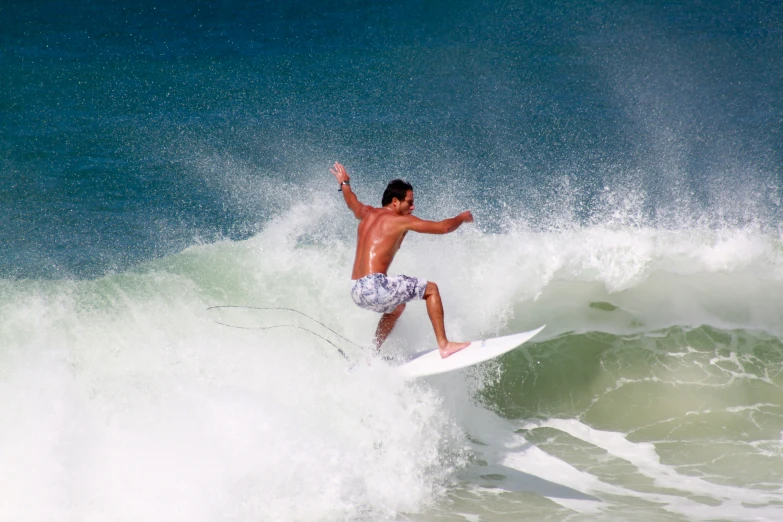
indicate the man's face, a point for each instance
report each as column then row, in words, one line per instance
column 406, row 206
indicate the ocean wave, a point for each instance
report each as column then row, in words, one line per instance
column 125, row 396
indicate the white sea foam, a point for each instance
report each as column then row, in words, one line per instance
column 128, row 404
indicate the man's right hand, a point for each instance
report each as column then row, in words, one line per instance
column 340, row 173
column 466, row 217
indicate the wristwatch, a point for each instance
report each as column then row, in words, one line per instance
column 344, row 182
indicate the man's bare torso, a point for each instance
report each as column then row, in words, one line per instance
column 379, row 237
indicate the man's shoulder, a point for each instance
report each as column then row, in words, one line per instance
column 400, row 224
column 381, row 217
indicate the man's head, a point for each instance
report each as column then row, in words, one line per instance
column 399, row 196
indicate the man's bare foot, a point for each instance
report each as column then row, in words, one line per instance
column 450, row 348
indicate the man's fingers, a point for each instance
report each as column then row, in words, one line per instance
column 339, row 171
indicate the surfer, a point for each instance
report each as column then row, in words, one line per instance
column 380, row 234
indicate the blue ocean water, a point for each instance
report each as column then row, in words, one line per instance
column 121, row 121
column 622, row 159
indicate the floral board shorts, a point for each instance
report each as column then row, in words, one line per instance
column 381, row 293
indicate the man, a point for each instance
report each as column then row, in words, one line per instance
column 380, row 234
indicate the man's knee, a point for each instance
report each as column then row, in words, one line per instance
column 431, row 289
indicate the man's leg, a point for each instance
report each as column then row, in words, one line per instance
column 385, row 326
column 435, row 311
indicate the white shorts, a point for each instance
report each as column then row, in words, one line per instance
column 381, row 293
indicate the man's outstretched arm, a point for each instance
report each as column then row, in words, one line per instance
column 358, row 208
column 438, row 227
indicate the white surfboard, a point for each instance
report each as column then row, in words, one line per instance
column 431, row 363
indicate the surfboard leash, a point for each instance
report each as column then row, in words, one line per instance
column 287, row 325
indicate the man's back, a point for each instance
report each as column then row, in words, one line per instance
column 379, row 237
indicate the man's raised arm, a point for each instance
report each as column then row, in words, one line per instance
column 438, row 227
column 358, row 208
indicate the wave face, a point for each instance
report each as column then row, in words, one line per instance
column 623, row 166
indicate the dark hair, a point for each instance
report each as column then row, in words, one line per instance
column 397, row 188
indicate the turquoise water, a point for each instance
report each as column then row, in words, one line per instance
column 623, row 164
